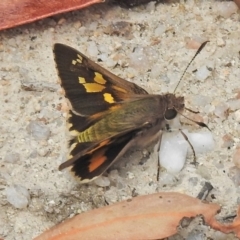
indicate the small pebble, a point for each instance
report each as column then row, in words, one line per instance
column 174, row 148
column 102, row 181
column 200, row 100
column 237, row 115
column 18, row 196
column 196, row 235
column 61, row 21
column 192, row 44
column 33, row 154
column 38, row 130
column 173, row 152
column 98, row 200
column 130, row 175
column 139, row 60
column 234, row 104
column 236, row 157
column 204, row 172
column 111, row 195
column 193, row 181
column 43, row 151
column 222, row 236
column 77, row 24
column 226, row 9
column 203, row 73
column 167, row 179
column 110, row 63
column 228, row 141
column 202, row 142
column 93, row 26
column 12, row 157
column 84, row 207
column 52, row 22
column 220, row 42
column 221, row 111
column 155, row 71
column 92, row 49
column 151, row 6
column 103, row 56
column 161, row 28
column 234, row 174
column 219, row 164
column 114, row 175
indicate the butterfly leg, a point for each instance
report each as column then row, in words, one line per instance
column 194, row 154
column 157, row 149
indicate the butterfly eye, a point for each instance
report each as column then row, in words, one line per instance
column 170, row 114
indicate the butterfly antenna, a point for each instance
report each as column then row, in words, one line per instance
column 198, row 51
column 201, row 124
column 192, row 111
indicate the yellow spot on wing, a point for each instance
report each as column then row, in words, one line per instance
column 79, row 58
column 98, row 158
column 99, row 78
column 81, row 80
column 108, row 98
column 93, row 87
column 119, row 89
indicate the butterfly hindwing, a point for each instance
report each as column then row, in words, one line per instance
column 91, row 161
column 90, row 88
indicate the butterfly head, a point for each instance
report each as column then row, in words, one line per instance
column 175, row 105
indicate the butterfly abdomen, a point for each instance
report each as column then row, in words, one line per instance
column 98, row 131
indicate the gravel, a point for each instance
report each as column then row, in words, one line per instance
column 149, row 45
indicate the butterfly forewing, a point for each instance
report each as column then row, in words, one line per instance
column 89, row 87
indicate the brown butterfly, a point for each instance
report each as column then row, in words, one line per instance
column 108, row 115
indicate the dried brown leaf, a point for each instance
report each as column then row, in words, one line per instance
column 237, row 2
column 17, row 12
column 144, row 217
column 227, row 228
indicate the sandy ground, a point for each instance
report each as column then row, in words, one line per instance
column 152, row 46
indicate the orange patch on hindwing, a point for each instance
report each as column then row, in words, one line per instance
column 97, row 159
